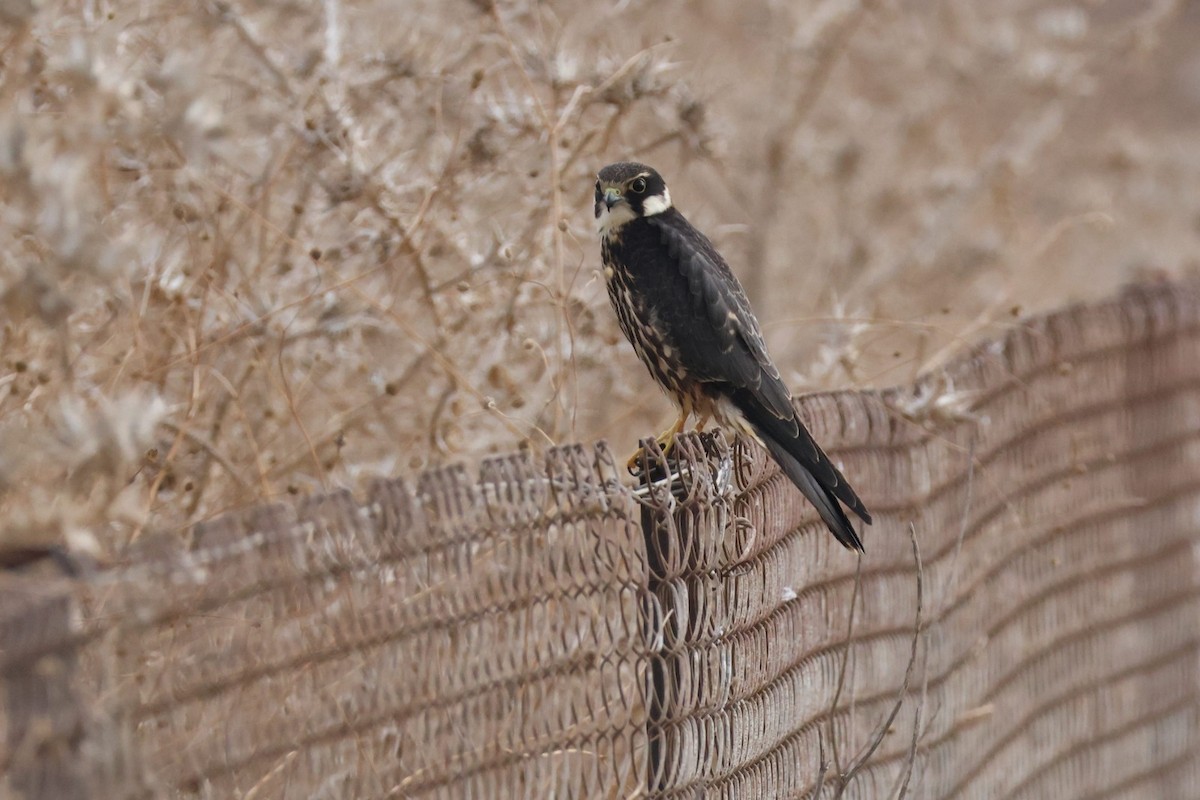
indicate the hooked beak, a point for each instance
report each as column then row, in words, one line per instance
column 611, row 197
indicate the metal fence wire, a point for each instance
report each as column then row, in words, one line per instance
column 1025, row 622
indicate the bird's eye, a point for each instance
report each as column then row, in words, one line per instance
column 638, row 185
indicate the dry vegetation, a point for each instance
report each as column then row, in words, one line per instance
column 253, row 249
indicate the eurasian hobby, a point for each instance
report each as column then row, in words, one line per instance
column 688, row 319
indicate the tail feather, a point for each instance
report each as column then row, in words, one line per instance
column 826, row 503
column 807, row 466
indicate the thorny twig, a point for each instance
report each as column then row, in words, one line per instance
column 857, row 765
column 822, row 767
column 224, row 11
column 291, row 400
column 780, row 145
column 837, row 694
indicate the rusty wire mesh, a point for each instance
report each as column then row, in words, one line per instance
column 1025, row 623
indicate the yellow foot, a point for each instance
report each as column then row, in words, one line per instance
column 666, row 440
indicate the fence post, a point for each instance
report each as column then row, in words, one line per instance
column 40, row 754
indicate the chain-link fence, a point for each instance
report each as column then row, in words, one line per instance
column 1025, row 622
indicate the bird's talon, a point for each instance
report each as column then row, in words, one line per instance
column 666, row 443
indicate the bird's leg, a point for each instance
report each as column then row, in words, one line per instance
column 665, row 440
column 704, row 418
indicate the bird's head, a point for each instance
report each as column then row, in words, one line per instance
column 627, row 191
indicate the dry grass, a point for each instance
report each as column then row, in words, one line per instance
column 259, row 249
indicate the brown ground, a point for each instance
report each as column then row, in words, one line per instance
column 253, row 249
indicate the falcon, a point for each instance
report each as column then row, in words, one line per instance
column 688, row 319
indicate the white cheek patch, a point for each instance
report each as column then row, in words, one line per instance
column 657, row 203
column 610, row 219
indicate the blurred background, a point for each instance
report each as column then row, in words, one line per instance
column 252, row 250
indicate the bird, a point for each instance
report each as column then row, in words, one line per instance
column 681, row 307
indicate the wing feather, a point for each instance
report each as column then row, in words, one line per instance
column 733, row 356
column 717, row 294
